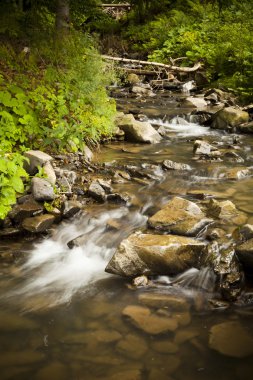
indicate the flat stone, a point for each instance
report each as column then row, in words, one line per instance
column 159, row 300
column 21, row 211
column 54, row 370
column 42, row 190
column 131, row 374
column 180, row 216
column 231, row 339
column 171, row 165
column 165, row 347
column 133, row 346
column 184, row 335
column 142, row 318
column 15, row 322
column 39, row 223
column 155, row 254
column 36, row 159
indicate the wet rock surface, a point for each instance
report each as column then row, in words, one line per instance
column 181, row 217
column 155, row 254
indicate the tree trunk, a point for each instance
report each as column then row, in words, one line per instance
column 62, row 17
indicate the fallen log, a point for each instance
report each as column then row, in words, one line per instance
column 196, row 67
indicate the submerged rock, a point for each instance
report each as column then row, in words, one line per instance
column 149, row 322
column 231, row 339
column 168, row 301
column 133, row 346
column 155, row 254
column 181, row 217
column 229, row 118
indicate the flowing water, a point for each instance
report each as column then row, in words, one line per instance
column 61, row 314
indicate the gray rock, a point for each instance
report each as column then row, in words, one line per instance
column 138, row 131
column 194, row 102
column 229, row 118
column 64, row 185
column 70, row 208
column 39, row 223
column 155, row 254
column 50, row 173
column 180, row 216
column 36, row 158
column 202, row 147
column 78, row 241
column 149, row 322
column 171, row 165
column 141, row 90
column 97, row 192
column 88, row 155
column 106, row 185
column 42, row 190
column 231, row 339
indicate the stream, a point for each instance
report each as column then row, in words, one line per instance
column 61, row 314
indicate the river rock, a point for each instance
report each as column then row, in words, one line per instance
column 78, row 241
column 150, row 323
column 140, row 90
column 118, row 198
column 71, row 208
column 36, row 159
column 168, row 301
column 155, row 254
column 133, row 346
column 138, row 131
column 180, row 216
column 246, row 128
column 39, row 223
column 245, row 254
column 96, row 191
column 202, row 147
column 226, row 211
column 165, row 347
column 21, row 211
column 237, row 173
column 140, row 281
column 171, row 165
column 50, row 173
column 129, row 374
column 231, row 339
column 194, row 102
column 54, row 370
column 42, row 190
column 229, row 117
column 246, row 231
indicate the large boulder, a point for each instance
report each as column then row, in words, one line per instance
column 180, row 216
column 138, row 131
column 229, row 118
column 155, row 254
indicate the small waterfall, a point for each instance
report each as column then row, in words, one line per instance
column 188, row 86
column 54, row 273
column 182, row 128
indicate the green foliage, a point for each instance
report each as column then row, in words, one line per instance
column 217, row 32
column 11, row 174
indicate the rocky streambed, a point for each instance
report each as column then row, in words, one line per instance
column 168, row 211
